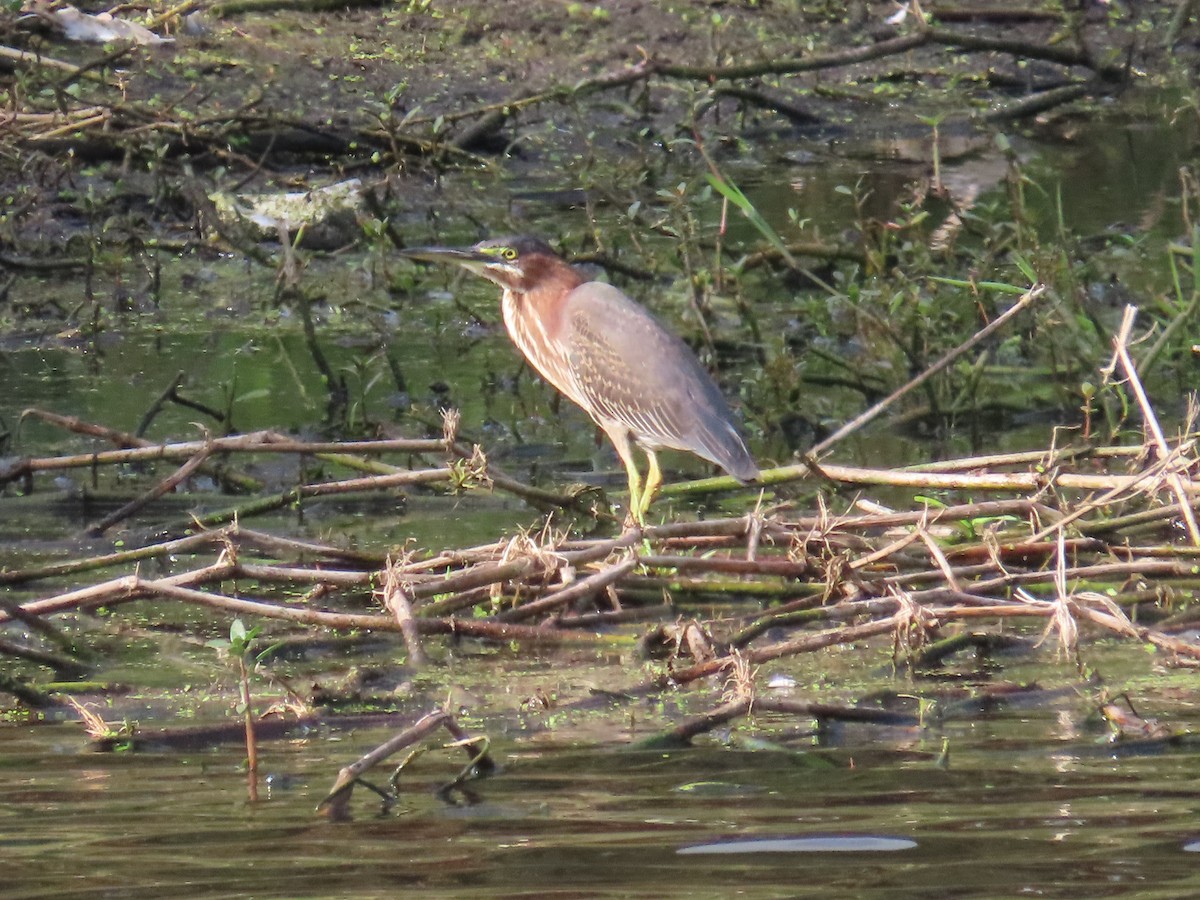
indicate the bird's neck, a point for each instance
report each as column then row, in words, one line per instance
column 543, row 306
column 534, row 320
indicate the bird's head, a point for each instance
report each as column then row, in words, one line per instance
column 521, row 264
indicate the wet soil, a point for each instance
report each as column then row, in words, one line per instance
column 292, row 99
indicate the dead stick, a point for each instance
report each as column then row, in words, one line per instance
column 139, row 449
column 736, row 587
column 272, row 502
column 91, row 563
column 585, row 587
column 859, row 421
column 1064, row 56
column 536, row 497
column 1155, row 568
column 395, row 598
column 337, row 800
column 549, row 557
column 346, row 621
column 828, row 711
column 30, row 696
column 938, row 557
column 1151, row 474
column 118, row 590
column 167, row 484
column 121, row 438
column 1024, row 550
column 161, row 401
column 806, row 644
column 683, row 733
column 1121, row 347
column 784, row 568
column 794, row 65
column 15, row 611
column 955, row 513
column 1024, row 482
column 472, row 578
column 373, row 482
column 1035, row 103
column 240, row 606
column 504, row 631
column 1149, row 635
column 884, row 552
column 342, row 578
column 1152, row 518
column 1105, row 620
column 63, row 666
column 458, row 601
column 275, row 544
column 36, row 60
column 1055, row 456
column 79, row 426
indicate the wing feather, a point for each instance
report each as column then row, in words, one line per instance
column 636, row 375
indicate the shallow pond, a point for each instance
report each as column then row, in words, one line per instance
column 1029, row 799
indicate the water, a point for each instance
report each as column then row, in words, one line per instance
column 1032, row 801
column 1020, row 810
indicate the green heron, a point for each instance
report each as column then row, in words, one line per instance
column 640, row 383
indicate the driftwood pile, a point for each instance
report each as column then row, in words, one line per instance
column 1104, row 536
column 1107, row 537
column 1092, row 536
column 1084, row 540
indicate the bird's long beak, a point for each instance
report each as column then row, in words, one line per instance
column 467, row 257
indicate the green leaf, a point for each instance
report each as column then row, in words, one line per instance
column 1026, row 269
column 734, row 195
column 930, row 501
column 265, row 653
column 998, row 286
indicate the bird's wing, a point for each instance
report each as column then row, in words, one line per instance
column 636, row 374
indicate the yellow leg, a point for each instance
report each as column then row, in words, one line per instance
column 636, row 491
column 621, row 441
column 653, row 483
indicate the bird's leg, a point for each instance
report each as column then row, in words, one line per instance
column 650, row 488
column 636, row 492
column 620, row 440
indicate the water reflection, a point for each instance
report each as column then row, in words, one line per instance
column 576, row 817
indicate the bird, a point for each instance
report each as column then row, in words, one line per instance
column 610, row 356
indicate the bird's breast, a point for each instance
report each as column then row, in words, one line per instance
column 537, row 336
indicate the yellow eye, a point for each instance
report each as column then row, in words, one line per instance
column 509, row 253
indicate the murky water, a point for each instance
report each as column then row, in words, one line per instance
column 1031, row 801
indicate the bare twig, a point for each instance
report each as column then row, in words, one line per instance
column 1121, row 355
column 983, row 334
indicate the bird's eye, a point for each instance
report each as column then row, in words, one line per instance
column 509, row 253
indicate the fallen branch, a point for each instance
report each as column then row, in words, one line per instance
column 336, row 803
